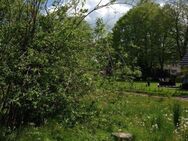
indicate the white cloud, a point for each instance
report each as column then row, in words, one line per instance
column 109, row 14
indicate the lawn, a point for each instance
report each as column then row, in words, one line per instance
column 147, row 118
column 153, row 89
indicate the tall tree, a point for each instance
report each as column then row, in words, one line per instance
column 103, row 47
column 178, row 11
column 143, row 34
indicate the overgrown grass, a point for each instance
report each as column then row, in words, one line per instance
column 147, row 118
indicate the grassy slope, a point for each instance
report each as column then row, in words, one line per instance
column 149, row 119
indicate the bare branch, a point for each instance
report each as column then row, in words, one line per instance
column 97, row 7
column 46, row 7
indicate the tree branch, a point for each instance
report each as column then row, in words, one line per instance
column 97, row 7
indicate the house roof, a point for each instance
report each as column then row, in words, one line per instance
column 184, row 61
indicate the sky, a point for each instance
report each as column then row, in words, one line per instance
column 109, row 14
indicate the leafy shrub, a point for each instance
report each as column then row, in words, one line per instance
column 40, row 72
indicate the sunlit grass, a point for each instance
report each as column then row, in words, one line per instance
column 153, row 89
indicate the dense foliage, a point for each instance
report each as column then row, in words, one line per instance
column 40, row 53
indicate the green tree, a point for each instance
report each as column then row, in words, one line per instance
column 143, row 37
column 178, row 11
column 103, row 50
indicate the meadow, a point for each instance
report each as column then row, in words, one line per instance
column 147, row 118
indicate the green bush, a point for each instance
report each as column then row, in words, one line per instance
column 41, row 71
